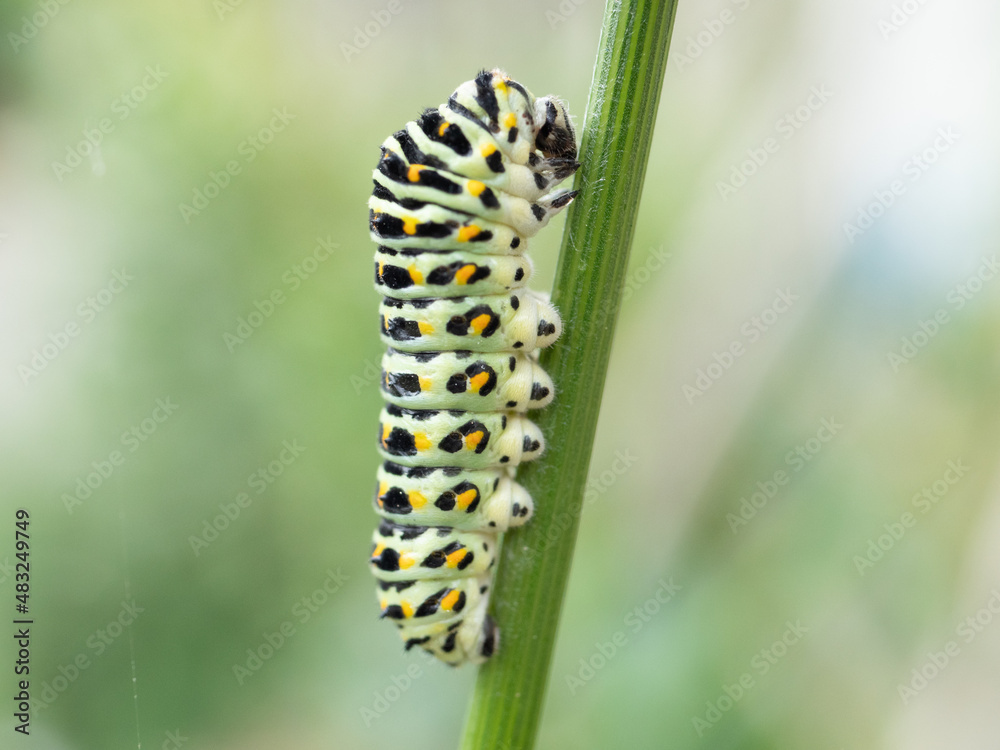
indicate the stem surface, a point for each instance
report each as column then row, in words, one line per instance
column 534, row 563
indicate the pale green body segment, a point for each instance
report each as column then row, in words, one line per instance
column 469, row 440
column 497, row 323
column 468, row 500
column 482, row 381
column 470, row 234
column 435, row 553
column 415, row 273
column 445, row 618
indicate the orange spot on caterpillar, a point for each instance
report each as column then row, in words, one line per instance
column 464, row 499
column 449, row 600
column 455, row 558
column 479, row 322
column 462, row 274
column 467, row 233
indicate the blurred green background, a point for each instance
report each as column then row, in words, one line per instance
column 858, row 397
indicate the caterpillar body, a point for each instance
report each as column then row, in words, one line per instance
column 457, row 194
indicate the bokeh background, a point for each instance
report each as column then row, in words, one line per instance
column 862, row 406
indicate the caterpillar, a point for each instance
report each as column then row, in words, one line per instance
column 457, row 194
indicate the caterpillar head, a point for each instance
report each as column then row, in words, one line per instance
column 554, row 137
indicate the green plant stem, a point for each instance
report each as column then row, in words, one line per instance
column 535, row 560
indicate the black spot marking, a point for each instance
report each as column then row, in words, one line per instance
column 491, row 377
column 393, row 277
column 453, row 137
column 528, row 445
column 486, row 97
column 495, row 162
column 393, row 612
column 457, row 383
column 538, row 211
column 512, row 135
column 515, row 302
column 397, row 585
column 512, row 362
column 421, row 415
column 545, row 328
column 518, row 274
column 538, row 391
column 436, row 181
column 401, row 384
column 489, row 199
column 451, row 443
column 515, row 242
column 416, row 642
column 413, row 154
column 387, row 561
column 399, row 443
column 511, row 404
column 401, row 329
column 396, row 501
column 446, row 500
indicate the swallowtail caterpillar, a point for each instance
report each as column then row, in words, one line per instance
column 457, row 194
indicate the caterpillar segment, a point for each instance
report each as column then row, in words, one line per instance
column 457, row 194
